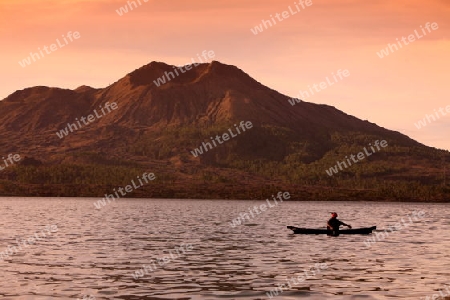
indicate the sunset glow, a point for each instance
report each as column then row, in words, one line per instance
column 302, row 48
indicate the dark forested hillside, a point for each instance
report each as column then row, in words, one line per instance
column 157, row 129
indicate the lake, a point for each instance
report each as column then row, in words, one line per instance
column 65, row 248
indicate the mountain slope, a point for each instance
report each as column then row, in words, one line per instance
column 156, row 126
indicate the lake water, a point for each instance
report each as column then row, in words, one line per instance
column 94, row 254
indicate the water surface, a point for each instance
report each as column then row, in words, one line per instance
column 94, row 253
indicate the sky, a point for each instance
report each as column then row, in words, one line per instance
column 306, row 46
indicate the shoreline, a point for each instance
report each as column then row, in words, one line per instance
column 233, row 199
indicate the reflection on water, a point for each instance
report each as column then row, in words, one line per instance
column 95, row 253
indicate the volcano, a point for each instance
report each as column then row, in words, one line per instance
column 157, row 126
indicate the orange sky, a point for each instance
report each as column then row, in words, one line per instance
column 395, row 91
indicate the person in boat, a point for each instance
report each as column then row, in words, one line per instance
column 334, row 223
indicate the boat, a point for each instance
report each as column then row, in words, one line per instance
column 298, row 230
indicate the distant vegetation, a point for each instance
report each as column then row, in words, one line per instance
column 264, row 159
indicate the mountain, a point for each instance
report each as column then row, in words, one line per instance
column 87, row 141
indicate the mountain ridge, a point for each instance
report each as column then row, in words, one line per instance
column 160, row 125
